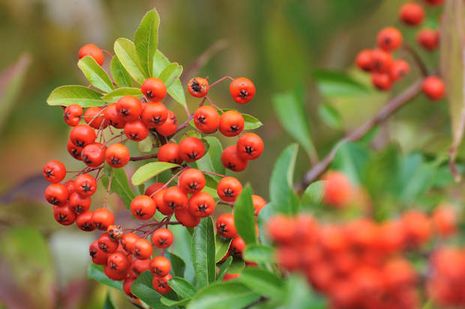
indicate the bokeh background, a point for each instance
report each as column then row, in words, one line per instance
column 277, row 43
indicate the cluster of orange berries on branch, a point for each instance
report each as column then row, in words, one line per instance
column 361, row 263
column 126, row 253
column 385, row 69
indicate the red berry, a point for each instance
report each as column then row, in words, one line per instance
column 364, row 60
column 434, row 88
column 153, row 188
column 162, row 238
column 117, row 155
column 127, row 285
column 412, row 14
column 118, row 262
column 250, row 146
column 140, row 266
column 85, row 185
column 175, row 198
column 389, row 39
column 169, row 127
column 142, row 207
column 93, row 155
column 198, row 87
column 225, row 226
column 63, row 215
column 160, row 266
column 160, row 284
column 154, row 114
column 136, row 130
column 428, row 39
column 242, row 90
column 381, row 61
column 186, row 218
column 207, row 119
column 107, row 244
column 191, row 149
column 98, row 256
column 201, row 204
column 337, row 189
column 258, row 203
column 399, row 69
column 231, row 123
column 74, row 150
column 382, row 81
column 54, row 171
column 128, row 241
column 95, row 118
column 85, row 222
column 154, row 89
column 103, row 218
column 231, row 160
column 93, row 51
column 56, row 194
column 191, row 180
column 229, row 188
column 143, row 249
column 163, row 207
column 79, row 204
column 130, row 108
column 229, row 276
column 113, row 117
column 237, row 247
column 113, row 274
column 82, row 135
column 169, row 153
column 72, row 115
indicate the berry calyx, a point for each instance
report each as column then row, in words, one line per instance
column 201, row 204
column 229, row 188
column 162, row 238
column 54, row 171
column 191, row 149
column 231, row 123
column 191, row 180
column 198, row 87
column 117, row 155
column 250, row 146
column 242, row 90
column 207, row 119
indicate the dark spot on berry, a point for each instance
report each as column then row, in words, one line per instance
column 243, row 93
column 196, row 86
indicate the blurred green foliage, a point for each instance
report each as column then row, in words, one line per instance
column 280, row 44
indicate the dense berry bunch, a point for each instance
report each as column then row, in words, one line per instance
column 381, row 62
column 99, row 138
column 361, row 264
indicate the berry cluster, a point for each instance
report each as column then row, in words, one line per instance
column 98, row 138
column 360, row 264
column 385, row 69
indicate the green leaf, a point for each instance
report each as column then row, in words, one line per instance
column 259, row 253
column 108, row 302
column 299, row 295
column 203, row 253
column 237, row 266
column 337, row 84
column 146, row 145
column 283, row 198
column 119, row 185
column 244, row 218
column 224, row 267
column 117, row 94
column 146, row 39
column 313, row 194
column 150, row 170
column 74, row 94
column 119, row 73
column 262, row 282
column 96, row 272
column 211, row 161
column 176, row 90
column 177, row 264
column 251, row 123
column 94, row 73
column 142, row 288
column 171, row 303
column 126, row 52
column 330, row 116
column 293, row 118
column 172, row 72
column 182, row 287
column 221, row 248
column 224, row 295
column 351, row 159
column 182, row 247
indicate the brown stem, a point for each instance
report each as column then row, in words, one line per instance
column 416, row 57
column 389, row 109
column 145, row 157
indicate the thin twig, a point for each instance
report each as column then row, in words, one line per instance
column 389, row 109
column 145, row 157
column 416, row 57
